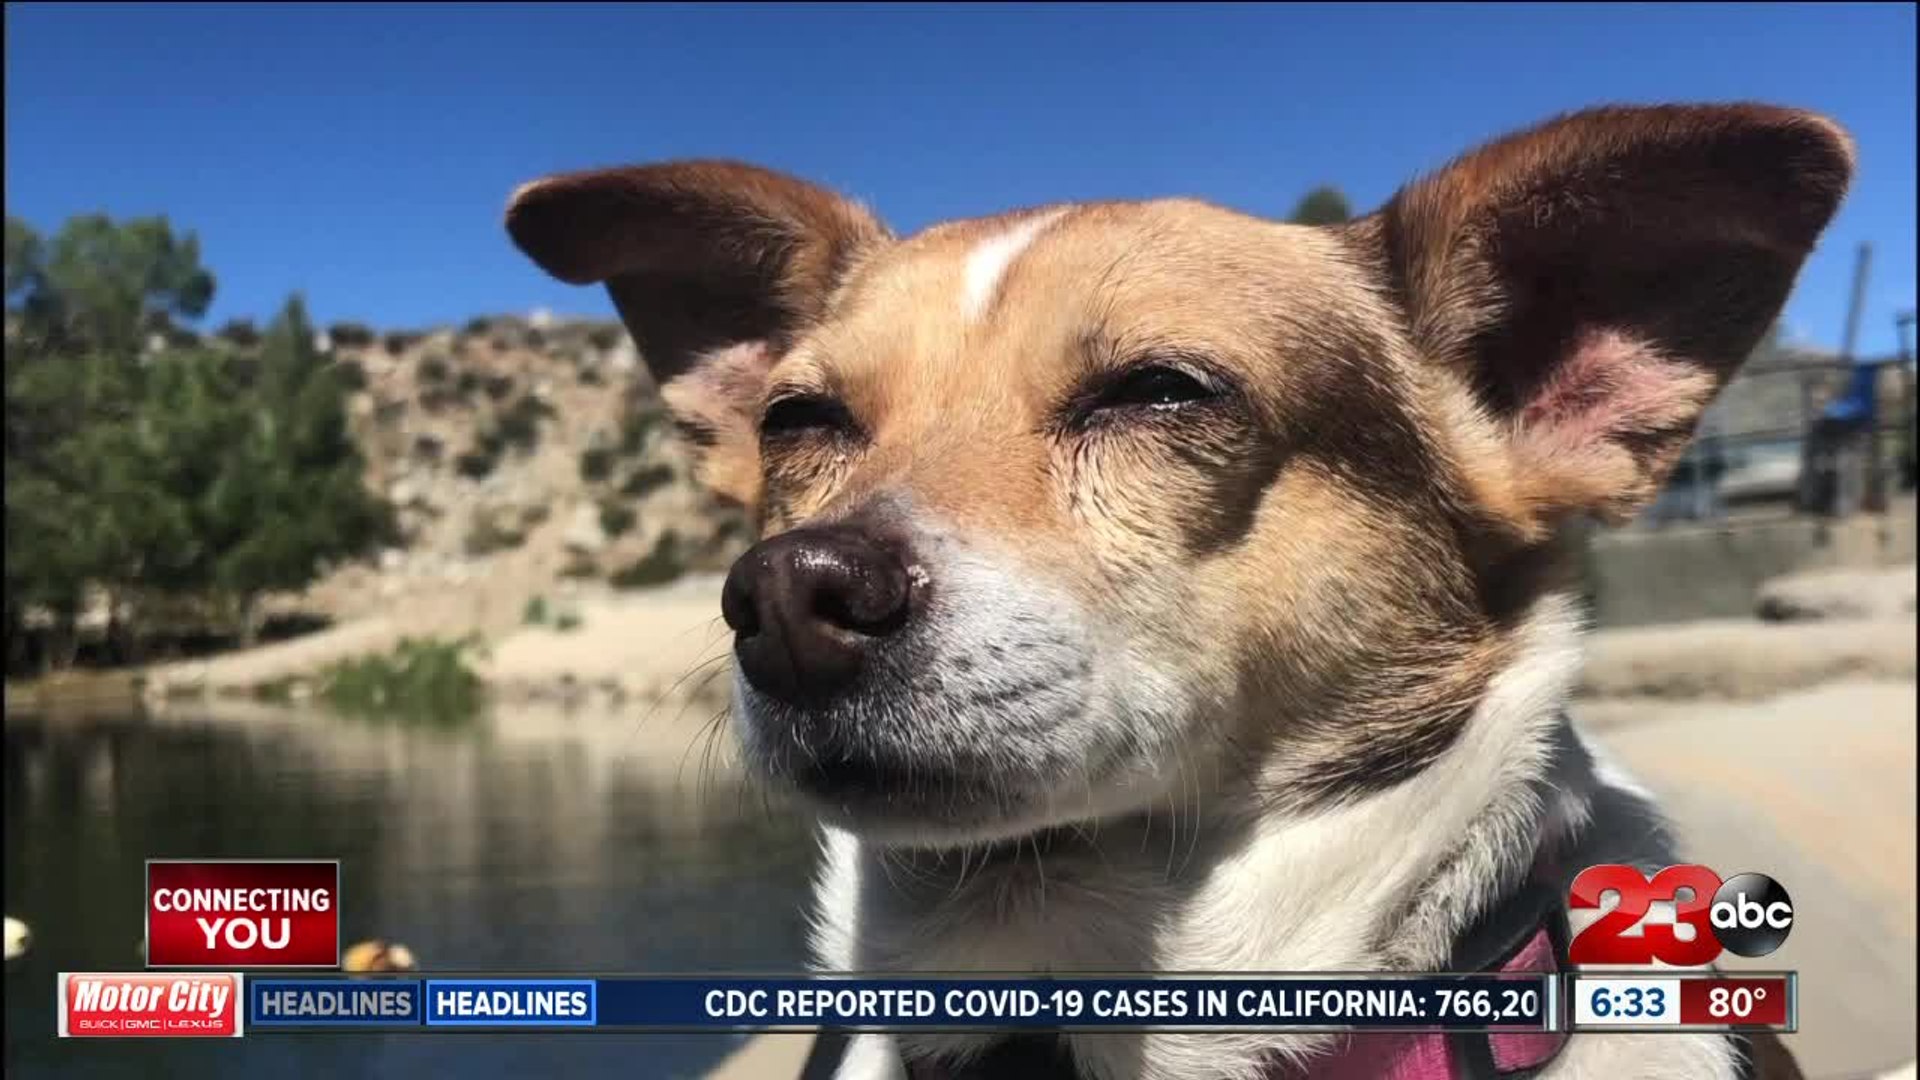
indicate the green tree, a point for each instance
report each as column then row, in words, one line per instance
column 76, row 305
column 292, row 497
column 23, row 260
column 1321, row 206
column 109, row 284
column 138, row 525
column 208, row 476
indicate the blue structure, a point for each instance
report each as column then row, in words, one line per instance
column 1856, row 407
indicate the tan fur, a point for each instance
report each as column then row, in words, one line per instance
column 1420, row 398
column 1328, row 557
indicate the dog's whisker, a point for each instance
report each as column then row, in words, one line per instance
column 704, row 740
column 1040, row 872
column 660, row 701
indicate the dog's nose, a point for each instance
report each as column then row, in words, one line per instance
column 807, row 605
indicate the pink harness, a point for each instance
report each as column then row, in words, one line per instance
column 1526, row 917
column 1443, row 1056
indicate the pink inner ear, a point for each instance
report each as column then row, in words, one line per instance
column 722, row 389
column 736, row 373
column 1611, row 386
column 718, row 397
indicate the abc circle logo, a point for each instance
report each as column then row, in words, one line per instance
column 1751, row 914
column 1747, row 914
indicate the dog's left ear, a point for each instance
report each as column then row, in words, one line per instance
column 716, row 268
column 1597, row 279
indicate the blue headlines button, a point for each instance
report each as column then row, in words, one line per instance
column 331, row 1003
column 511, row 1003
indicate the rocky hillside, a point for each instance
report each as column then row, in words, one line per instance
column 525, row 457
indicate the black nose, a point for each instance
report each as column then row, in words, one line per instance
column 805, row 607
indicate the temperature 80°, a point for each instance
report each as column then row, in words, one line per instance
column 1491, row 1003
column 1734, row 1003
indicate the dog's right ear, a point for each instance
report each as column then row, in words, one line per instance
column 1598, row 278
column 715, row 267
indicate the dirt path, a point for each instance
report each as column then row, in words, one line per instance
column 1816, row 789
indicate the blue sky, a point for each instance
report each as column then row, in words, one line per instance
column 362, row 153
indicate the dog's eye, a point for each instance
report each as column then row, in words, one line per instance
column 1152, row 386
column 804, row 413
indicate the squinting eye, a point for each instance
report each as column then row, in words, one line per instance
column 804, row 413
column 1152, row 386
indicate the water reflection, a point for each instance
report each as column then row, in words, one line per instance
column 531, row 841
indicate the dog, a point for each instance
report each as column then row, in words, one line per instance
column 1150, row 586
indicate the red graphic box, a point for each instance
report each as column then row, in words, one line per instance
column 243, row 914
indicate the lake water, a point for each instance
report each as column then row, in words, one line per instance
column 514, row 844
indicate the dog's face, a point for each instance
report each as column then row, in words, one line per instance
column 1082, row 509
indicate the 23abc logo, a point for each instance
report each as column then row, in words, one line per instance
column 1747, row 914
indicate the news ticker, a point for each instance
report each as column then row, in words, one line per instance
column 231, row 1004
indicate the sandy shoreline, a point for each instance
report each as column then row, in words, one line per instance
column 649, row 644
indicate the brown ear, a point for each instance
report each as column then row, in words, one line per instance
column 714, row 266
column 1597, row 279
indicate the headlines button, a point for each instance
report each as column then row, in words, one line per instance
column 332, row 1003
column 511, row 1003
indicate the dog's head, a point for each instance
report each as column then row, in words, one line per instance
column 1061, row 505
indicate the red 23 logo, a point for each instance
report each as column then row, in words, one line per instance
column 1604, row 941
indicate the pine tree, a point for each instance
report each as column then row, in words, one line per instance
column 1321, row 206
column 292, row 495
column 198, row 475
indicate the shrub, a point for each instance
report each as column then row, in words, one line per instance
column 276, row 691
column 637, row 424
column 490, row 442
column 596, row 464
column 240, row 332
column 580, row 566
column 566, row 622
column 475, row 464
column 604, row 337
column 518, row 424
column 731, row 530
column 536, row 612
column 350, row 335
column 434, row 368
column 647, row 479
column 423, row 679
column 478, row 325
column 497, row 386
column 399, row 341
column 535, row 515
column 428, row 448
column 590, row 376
column 616, row 518
column 352, row 375
column 466, row 383
column 657, row 567
column 486, row 536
